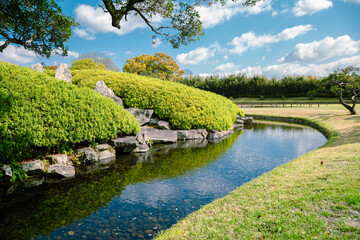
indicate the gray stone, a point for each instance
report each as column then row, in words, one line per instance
column 33, row 167
column 154, row 120
column 164, row 125
column 7, row 172
column 239, row 121
column 124, row 144
column 213, row 134
column 106, row 156
column 192, row 134
column 60, row 171
column 107, row 92
column 238, row 126
column 63, row 73
column 90, row 155
column 103, row 147
column 160, row 136
column 141, row 148
column 142, row 139
column 37, row 67
column 142, row 115
column 194, row 143
column 247, row 120
column 58, row 159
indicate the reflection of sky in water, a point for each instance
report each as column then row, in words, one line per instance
column 158, row 204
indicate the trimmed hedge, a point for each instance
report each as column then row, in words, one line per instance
column 41, row 114
column 185, row 107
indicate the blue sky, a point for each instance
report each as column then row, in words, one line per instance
column 275, row 38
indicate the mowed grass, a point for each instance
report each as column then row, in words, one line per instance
column 316, row 196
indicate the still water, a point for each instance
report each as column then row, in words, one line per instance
column 139, row 195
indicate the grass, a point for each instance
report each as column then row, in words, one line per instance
column 285, row 100
column 316, row 196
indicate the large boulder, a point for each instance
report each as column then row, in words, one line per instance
column 33, row 167
column 103, row 147
column 213, row 134
column 192, row 134
column 160, row 136
column 164, row 125
column 63, row 73
column 58, row 159
column 6, row 171
column 246, row 120
column 60, row 171
column 142, row 115
column 37, row 67
column 106, row 157
column 124, row 144
column 107, row 92
column 90, row 155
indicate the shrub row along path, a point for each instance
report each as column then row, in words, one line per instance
column 316, row 196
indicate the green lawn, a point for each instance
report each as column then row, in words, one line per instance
column 316, row 196
column 285, row 100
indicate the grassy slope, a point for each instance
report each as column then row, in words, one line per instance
column 316, row 196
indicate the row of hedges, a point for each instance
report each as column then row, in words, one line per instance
column 41, row 114
column 185, row 107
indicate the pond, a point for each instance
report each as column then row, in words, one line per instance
column 138, row 195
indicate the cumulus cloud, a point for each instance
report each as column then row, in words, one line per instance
column 322, row 50
column 198, row 55
column 286, row 69
column 353, row 1
column 226, row 69
column 156, row 42
column 304, row 7
column 216, row 13
column 250, row 40
column 95, row 20
column 17, row 55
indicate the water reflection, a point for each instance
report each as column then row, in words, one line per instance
column 139, row 195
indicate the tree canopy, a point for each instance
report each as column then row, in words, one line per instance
column 39, row 26
column 344, row 82
column 183, row 26
column 159, row 65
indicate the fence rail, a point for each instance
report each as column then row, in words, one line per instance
column 284, row 104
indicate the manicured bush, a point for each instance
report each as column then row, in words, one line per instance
column 87, row 63
column 185, row 107
column 41, row 114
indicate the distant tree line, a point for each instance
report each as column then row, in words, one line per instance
column 256, row 86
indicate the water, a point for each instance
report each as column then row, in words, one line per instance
column 139, row 195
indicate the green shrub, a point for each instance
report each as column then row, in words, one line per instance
column 185, row 107
column 87, row 63
column 41, row 114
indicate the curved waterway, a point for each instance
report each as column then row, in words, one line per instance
column 138, row 195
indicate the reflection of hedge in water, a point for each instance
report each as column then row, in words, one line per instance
column 75, row 199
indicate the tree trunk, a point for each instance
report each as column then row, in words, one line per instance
column 347, row 106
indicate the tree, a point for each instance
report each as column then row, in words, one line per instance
column 184, row 25
column 344, row 82
column 37, row 25
column 159, row 65
column 100, row 58
column 86, row 63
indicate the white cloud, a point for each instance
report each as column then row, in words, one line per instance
column 71, row 54
column 304, row 7
column 198, row 55
column 286, row 69
column 226, row 69
column 84, row 34
column 156, row 42
column 250, row 40
column 275, row 13
column 354, row 1
column 216, row 13
column 95, row 20
column 322, row 50
column 17, row 55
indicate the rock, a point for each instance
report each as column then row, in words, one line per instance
column 90, row 155
column 103, row 147
column 154, row 120
column 124, row 144
column 247, row 120
column 106, row 157
column 33, row 167
column 7, row 172
column 37, row 67
column 213, row 134
column 160, row 136
column 142, row 139
column 58, row 159
column 192, row 134
column 107, row 92
column 164, row 125
column 60, row 171
column 239, row 121
column 63, row 73
column 141, row 149
column 142, row 115
column 193, row 143
column 31, row 182
column 238, row 126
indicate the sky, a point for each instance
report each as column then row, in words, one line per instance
column 274, row 39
